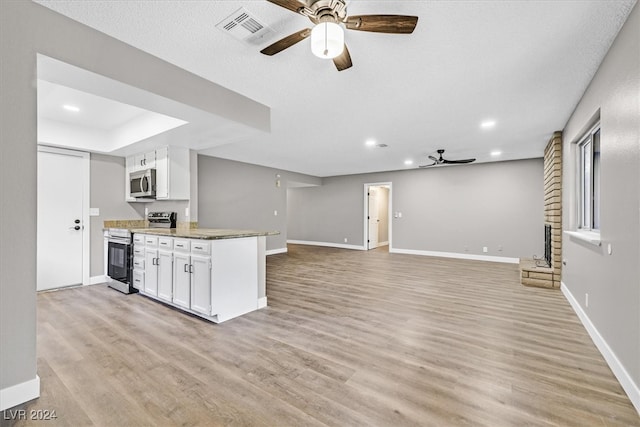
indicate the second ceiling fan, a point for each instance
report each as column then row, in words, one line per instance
column 327, row 36
column 442, row 161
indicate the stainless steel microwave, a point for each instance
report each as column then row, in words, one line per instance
column 143, row 183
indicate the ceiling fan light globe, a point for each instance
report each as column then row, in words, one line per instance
column 327, row 40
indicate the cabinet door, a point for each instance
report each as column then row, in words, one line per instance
column 201, row 284
column 149, row 160
column 181, row 280
column 151, row 272
column 139, row 162
column 162, row 173
column 165, row 275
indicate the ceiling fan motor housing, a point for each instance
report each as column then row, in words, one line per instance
column 325, row 11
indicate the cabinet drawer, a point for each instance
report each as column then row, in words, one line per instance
column 181, row 245
column 151, row 241
column 138, row 280
column 165, row 242
column 138, row 238
column 138, row 250
column 138, row 262
column 200, row 247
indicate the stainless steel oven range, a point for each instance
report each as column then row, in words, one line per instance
column 119, row 259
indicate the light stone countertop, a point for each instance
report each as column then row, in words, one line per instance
column 203, row 233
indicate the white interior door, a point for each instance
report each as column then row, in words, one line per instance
column 373, row 219
column 61, row 180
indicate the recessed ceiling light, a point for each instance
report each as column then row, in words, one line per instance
column 408, row 162
column 71, row 108
column 487, row 124
column 496, row 153
column 370, row 143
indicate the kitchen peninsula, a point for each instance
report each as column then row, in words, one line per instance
column 217, row 274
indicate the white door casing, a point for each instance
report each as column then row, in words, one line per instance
column 63, row 218
column 372, row 216
column 367, row 208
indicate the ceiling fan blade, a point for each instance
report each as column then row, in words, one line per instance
column 453, row 162
column 396, row 24
column 434, row 159
column 427, row 166
column 292, row 5
column 343, row 61
column 286, row 42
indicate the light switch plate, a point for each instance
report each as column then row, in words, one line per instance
column 94, row 211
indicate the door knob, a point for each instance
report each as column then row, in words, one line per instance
column 77, row 227
column 77, row 221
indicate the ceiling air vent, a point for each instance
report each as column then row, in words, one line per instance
column 245, row 27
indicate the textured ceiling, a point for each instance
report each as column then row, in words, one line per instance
column 524, row 64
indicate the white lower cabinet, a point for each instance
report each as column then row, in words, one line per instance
column 181, row 280
column 215, row 279
column 201, row 284
column 192, row 282
column 150, row 272
column 138, row 279
column 158, row 268
column 165, row 275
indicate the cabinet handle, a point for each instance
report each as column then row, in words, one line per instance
column 191, row 268
column 186, row 268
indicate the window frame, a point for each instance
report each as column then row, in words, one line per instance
column 588, row 180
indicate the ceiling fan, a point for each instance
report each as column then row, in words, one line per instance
column 327, row 36
column 443, row 161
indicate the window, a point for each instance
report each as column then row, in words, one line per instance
column 589, row 180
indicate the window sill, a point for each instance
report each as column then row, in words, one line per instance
column 585, row 236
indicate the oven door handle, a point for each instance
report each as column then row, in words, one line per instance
column 144, row 184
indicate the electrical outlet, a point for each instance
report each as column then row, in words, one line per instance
column 586, row 300
column 346, row 240
column 485, row 249
column 275, row 213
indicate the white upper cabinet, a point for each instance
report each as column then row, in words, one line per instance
column 173, row 175
column 144, row 161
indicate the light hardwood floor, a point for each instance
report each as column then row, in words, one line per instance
column 349, row 338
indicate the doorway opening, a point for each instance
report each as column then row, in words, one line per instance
column 377, row 215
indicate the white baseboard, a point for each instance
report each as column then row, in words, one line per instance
column 625, row 380
column 95, row 280
column 19, row 393
column 326, row 244
column 383, row 243
column 456, row 255
column 276, row 251
column 262, row 302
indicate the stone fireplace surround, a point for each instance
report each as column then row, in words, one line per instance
column 531, row 273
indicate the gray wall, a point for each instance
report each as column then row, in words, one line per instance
column 107, row 194
column 243, row 196
column 18, row 188
column 456, row 209
column 25, row 30
column 612, row 281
